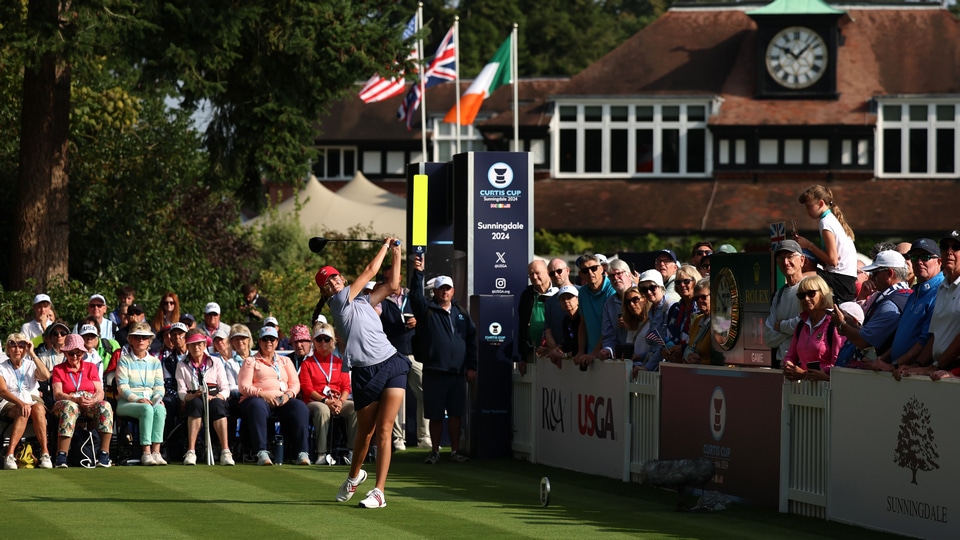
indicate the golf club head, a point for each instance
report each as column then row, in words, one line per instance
column 317, row 244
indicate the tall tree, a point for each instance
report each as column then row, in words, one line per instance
column 268, row 68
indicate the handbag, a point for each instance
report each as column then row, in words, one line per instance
column 24, row 456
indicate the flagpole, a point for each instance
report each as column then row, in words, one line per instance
column 456, row 67
column 423, row 93
column 514, row 70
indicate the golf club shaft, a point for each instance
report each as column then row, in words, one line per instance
column 395, row 242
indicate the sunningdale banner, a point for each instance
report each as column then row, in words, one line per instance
column 583, row 417
column 894, row 451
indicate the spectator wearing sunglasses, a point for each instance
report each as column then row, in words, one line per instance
column 554, row 311
column 595, row 288
column 97, row 308
column 658, row 306
column 325, row 388
column 699, row 251
column 913, row 332
column 816, row 342
column 20, row 401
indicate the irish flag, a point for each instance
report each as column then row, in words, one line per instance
column 494, row 75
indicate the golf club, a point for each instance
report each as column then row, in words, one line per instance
column 317, row 243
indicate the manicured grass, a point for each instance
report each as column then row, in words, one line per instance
column 479, row 499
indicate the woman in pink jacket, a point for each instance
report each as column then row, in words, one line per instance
column 268, row 387
column 816, row 343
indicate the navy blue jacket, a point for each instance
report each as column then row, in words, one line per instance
column 445, row 341
column 394, row 326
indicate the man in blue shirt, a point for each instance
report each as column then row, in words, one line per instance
column 913, row 332
column 595, row 288
column 889, row 273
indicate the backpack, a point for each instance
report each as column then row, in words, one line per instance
column 83, row 448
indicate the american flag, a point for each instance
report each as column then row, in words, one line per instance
column 377, row 88
column 654, row 338
column 442, row 69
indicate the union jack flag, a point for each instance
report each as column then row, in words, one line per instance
column 778, row 232
column 442, row 69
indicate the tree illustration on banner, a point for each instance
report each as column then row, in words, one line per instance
column 915, row 447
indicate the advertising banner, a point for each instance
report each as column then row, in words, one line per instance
column 740, row 293
column 730, row 416
column 893, row 449
column 583, row 417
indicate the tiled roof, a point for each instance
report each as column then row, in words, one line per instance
column 903, row 208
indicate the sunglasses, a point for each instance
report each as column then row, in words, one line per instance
column 590, row 269
column 647, row 289
column 685, row 281
column 634, row 300
column 169, row 303
column 20, row 344
column 703, row 252
column 59, row 333
column 955, row 246
column 925, row 258
column 324, row 339
column 96, row 305
column 556, row 272
column 74, row 354
column 807, row 294
column 702, row 297
column 268, row 339
column 139, row 338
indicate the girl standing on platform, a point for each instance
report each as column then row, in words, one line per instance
column 837, row 252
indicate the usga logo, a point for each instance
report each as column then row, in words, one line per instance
column 500, row 175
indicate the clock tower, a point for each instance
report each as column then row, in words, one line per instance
column 797, row 44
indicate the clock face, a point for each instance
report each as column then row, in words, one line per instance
column 796, row 57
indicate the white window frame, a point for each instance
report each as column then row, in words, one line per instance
column 904, row 124
column 470, row 137
column 326, row 150
column 631, row 125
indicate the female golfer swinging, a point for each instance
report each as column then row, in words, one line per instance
column 379, row 373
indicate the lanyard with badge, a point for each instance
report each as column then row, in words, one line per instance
column 20, row 377
column 328, row 374
column 77, row 381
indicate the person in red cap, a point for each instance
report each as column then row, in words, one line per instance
column 379, row 372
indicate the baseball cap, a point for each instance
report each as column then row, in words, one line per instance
column 239, row 330
column 370, row 285
column 440, row 281
column 271, row 320
column 56, row 324
column 186, row 317
column 321, row 318
column 269, row 331
column 178, row 326
column 324, row 274
column 886, row 259
column 569, row 289
column 88, row 329
column 135, row 309
column 41, row 298
column 212, row 307
column 669, row 253
column 927, row 245
column 652, row 275
column 323, row 330
column 727, row 248
column 952, row 235
column 221, row 332
column 789, row 245
column 97, row 297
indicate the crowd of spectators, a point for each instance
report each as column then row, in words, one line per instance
column 123, row 366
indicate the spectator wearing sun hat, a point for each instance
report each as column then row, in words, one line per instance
column 198, row 370
column 20, row 401
column 43, row 317
column 301, row 343
column 140, row 392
